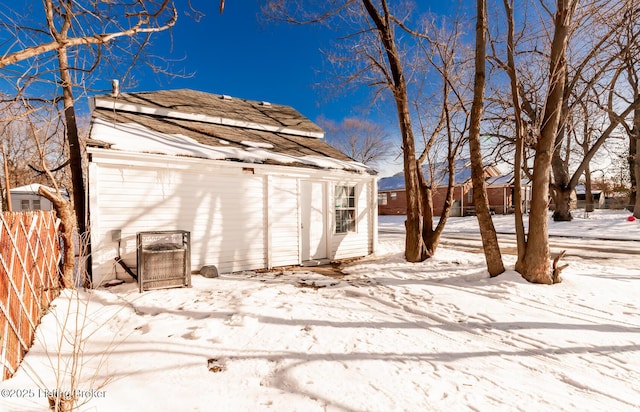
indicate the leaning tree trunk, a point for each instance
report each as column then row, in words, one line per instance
column 428, row 234
column 536, row 264
column 67, row 229
column 75, row 152
column 415, row 250
column 492, row 254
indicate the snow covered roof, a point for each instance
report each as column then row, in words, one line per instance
column 191, row 123
column 33, row 188
column 505, row 180
column 581, row 190
column 441, row 177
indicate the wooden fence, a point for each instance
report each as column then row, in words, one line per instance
column 29, row 280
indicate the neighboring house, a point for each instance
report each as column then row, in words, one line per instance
column 500, row 194
column 392, row 198
column 581, row 198
column 27, row 198
column 254, row 183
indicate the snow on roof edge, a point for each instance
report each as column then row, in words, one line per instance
column 136, row 138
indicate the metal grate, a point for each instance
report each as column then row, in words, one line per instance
column 164, row 259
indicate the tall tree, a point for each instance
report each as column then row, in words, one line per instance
column 592, row 61
column 519, row 133
column 535, row 266
column 383, row 21
column 629, row 44
column 383, row 60
column 492, row 254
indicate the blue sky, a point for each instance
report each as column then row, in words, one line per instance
column 240, row 54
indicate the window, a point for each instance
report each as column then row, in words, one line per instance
column 345, row 201
column 382, row 199
column 24, row 204
column 35, row 203
column 394, row 195
column 470, row 196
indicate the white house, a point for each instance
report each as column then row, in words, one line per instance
column 27, row 198
column 254, row 183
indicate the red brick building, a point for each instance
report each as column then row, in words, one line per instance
column 392, row 198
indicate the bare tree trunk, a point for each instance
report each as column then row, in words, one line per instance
column 633, row 154
column 429, row 236
column 636, row 207
column 561, row 188
column 588, row 195
column 75, row 152
column 415, row 250
column 634, row 163
column 536, row 264
column 492, row 254
column 68, row 225
column 519, row 125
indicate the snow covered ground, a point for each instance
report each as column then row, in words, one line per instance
column 388, row 336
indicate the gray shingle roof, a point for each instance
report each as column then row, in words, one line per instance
column 244, row 124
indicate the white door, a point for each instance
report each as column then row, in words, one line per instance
column 314, row 237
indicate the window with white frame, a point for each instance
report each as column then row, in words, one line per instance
column 345, row 209
column 35, row 204
column 24, row 204
column 382, row 199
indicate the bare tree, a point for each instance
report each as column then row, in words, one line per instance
column 361, row 139
column 535, row 266
column 381, row 58
column 23, row 147
column 519, row 132
column 73, row 38
column 630, row 45
column 593, row 74
column 592, row 63
column 534, row 258
column 444, row 116
column 492, row 254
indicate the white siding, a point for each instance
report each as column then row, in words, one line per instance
column 284, row 221
column 223, row 212
column 223, row 204
column 17, row 198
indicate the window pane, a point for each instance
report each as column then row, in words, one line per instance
column 36, row 204
column 340, row 196
column 24, row 204
column 345, row 209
